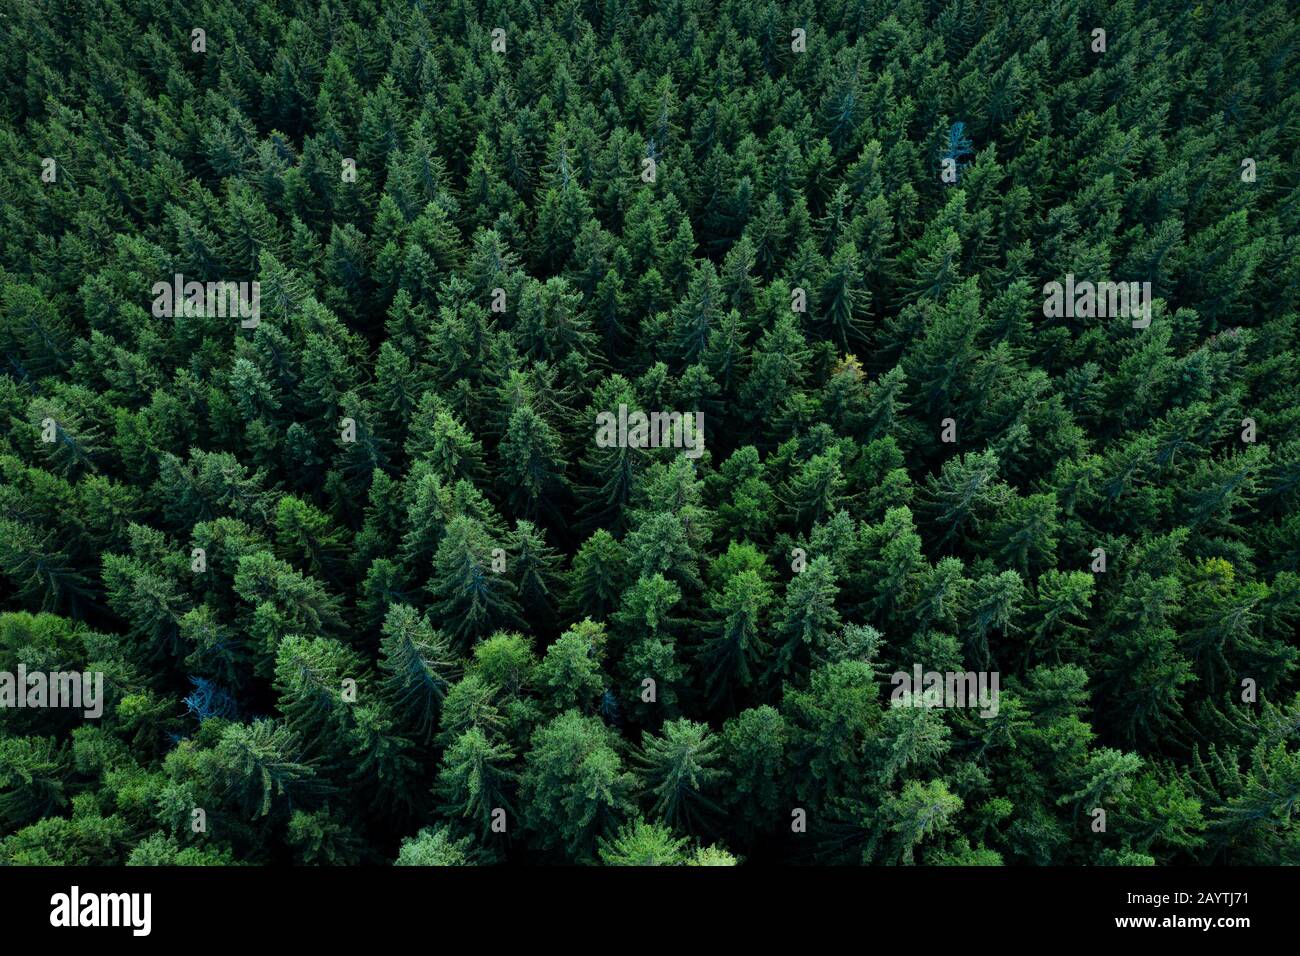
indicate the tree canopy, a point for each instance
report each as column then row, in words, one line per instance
column 367, row 580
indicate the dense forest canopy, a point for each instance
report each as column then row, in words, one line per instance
column 528, row 432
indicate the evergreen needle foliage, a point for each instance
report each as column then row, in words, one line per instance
column 362, row 579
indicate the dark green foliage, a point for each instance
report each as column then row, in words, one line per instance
column 364, row 584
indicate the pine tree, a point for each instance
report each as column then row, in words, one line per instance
column 467, row 593
column 679, row 769
column 574, row 787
